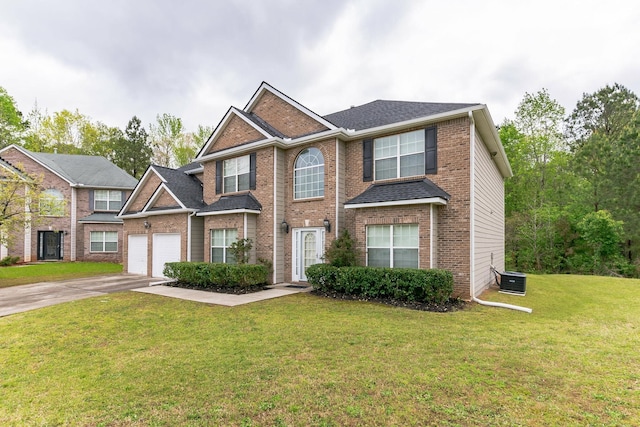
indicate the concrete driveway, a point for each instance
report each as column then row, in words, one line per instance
column 17, row 299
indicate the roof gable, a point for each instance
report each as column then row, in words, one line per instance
column 235, row 128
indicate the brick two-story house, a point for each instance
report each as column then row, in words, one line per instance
column 416, row 184
column 80, row 198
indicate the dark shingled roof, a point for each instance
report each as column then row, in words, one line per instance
column 185, row 187
column 234, row 202
column 102, row 217
column 381, row 113
column 262, row 124
column 399, row 191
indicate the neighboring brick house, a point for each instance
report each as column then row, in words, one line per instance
column 80, row 198
column 416, row 184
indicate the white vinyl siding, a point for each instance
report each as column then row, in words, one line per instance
column 489, row 216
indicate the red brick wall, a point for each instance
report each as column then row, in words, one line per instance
column 236, row 132
column 284, row 117
column 145, row 193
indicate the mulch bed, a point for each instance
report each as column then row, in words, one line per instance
column 221, row 289
column 454, row 304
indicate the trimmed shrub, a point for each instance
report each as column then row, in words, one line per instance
column 9, row 260
column 402, row 284
column 215, row 275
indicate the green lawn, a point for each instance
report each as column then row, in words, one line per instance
column 43, row 272
column 145, row 360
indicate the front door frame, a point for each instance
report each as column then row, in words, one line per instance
column 297, row 261
column 46, row 239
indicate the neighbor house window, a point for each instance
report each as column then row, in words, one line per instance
column 107, row 200
column 51, row 203
column 220, row 241
column 236, row 174
column 309, row 174
column 400, row 155
column 392, row 245
column 104, row 241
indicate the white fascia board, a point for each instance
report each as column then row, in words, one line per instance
column 428, row 201
column 231, row 112
column 490, row 137
column 267, row 87
column 146, row 214
column 156, row 194
column 233, row 211
column 138, row 188
column 197, row 170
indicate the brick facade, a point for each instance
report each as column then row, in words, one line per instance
column 450, row 237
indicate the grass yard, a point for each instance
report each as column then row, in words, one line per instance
column 44, row 272
column 144, row 360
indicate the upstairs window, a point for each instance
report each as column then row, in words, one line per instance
column 309, row 174
column 221, row 239
column 402, row 155
column 51, row 203
column 237, row 174
column 107, row 200
column 104, row 241
column 392, row 245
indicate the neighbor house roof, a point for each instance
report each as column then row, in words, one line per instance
column 396, row 193
column 381, row 113
column 82, row 170
column 234, row 202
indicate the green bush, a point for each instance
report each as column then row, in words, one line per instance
column 343, row 251
column 9, row 260
column 213, row 275
column 403, row 284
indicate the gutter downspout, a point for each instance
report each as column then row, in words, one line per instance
column 472, row 139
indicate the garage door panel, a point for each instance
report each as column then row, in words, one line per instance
column 166, row 248
column 137, row 254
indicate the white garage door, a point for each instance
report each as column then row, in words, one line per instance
column 137, row 254
column 166, row 248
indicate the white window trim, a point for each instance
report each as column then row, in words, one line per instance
column 397, row 156
column 391, row 247
column 103, row 241
column 108, row 200
column 296, row 169
column 224, row 248
column 236, row 175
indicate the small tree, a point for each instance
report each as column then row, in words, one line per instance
column 602, row 235
column 342, row 252
column 241, row 250
column 19, row 195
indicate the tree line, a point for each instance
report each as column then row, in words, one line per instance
column 165, row 143
column 573, row 203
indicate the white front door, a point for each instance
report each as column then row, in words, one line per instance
column 308, row 249
column 137, row 254
column 166, row 248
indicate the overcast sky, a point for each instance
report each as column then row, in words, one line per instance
column 113, row 59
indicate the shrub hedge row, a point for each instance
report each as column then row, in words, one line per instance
column 213, row 275
column 402, row 284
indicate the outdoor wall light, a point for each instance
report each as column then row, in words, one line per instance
column 147, row 224
column 327, row 225
column 284, row 226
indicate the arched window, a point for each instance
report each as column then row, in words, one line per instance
column 309, row 174
column 52, row 203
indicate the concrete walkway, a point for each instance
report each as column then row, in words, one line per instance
column 17, row 299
